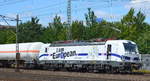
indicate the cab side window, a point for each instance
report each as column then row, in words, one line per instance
column 45, row 49
column 109, row 48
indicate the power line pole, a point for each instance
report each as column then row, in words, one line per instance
column 17, row 60
column 17, row 45
column 69, row 19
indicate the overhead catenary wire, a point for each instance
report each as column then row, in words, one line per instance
column 12, row 2
column 5, row 1
column 7, row 18
column 74, row 10
column 40, row 8
column 4, row 9
column 51, row 7
column 3, row 17
column 63, row 11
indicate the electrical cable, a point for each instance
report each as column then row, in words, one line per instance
column 63, row 11
column 48, row 6
column 3, row 17
column 11, row 3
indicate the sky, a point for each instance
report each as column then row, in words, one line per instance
column 45, row 10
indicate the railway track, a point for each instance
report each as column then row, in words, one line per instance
column 8, row 74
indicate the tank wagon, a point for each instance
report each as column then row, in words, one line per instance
column 28, row 53
column 108, row 56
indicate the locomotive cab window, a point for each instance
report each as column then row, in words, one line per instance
column 130, row 48
column 108, row 51
column 109, row 48
column 45, row 49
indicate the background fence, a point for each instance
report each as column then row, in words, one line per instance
column 146, row 61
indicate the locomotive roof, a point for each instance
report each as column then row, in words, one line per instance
column 77, row 44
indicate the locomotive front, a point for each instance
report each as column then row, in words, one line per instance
column 131, row 56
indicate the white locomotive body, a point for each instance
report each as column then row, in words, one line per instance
column 111, row 55
column 120, row 54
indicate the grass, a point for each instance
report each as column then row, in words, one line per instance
column 143, row 71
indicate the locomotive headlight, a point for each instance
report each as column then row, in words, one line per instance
column 123, row 58
column 136, row 59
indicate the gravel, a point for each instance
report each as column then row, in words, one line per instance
column 40, row 75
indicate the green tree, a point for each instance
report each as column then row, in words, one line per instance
column 55, row 31
column 90, row 18
column 59, row 29
column 2, row 37
column 77, row 30
column 144, row 43
column 7, row 36
column 134, row 28
column 91, row 25
column 30, row 31
column 48, row 35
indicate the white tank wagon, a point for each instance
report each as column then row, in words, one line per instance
column 28, row 52
column 112, row 55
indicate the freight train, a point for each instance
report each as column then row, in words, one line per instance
column 106, row 56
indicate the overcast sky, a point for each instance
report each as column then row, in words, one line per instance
column 45, row 10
